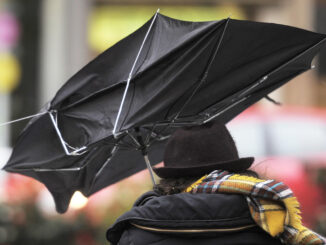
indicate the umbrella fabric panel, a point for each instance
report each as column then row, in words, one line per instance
column 39, row 147
column 63, row 184
column 92, row 121
column 124, row 164
column 201, row 70
column 153, row 95
column 91, row 176
column 160, row 93
column 113, row 66
column 79, row 180
column 171, row 36
column 162, row 85
column 96, row 124
column 248, row 52
column 230, row 72
column 109, row 68
column 275, row 79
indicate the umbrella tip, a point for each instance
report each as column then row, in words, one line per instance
column 158, row 10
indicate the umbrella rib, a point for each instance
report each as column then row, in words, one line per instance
column 204, row 77
column 245, row 92
column 158, row 135
column 23, row 118
column 76, row 151
column 237, row 99
column 296, row 57
column 46, row 169
column 225, row 109
column 113, row 151
column 126, row 145
column 158, row 138
column 260, row 81
column 137, row 144
column 148, row 137
column 130, row 74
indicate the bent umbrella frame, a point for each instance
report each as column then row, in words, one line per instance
column 142, row 136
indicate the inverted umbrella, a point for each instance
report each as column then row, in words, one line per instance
column 125, row 103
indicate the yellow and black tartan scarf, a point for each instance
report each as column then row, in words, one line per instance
column 272, row 204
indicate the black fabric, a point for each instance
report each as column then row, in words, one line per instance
column 188, row 211
column 187, row 73
column 198, row 150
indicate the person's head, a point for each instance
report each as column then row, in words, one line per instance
column 193, row 152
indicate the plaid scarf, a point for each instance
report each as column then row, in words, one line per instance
column 272, row 204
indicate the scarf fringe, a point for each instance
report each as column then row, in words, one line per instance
column 293, row 210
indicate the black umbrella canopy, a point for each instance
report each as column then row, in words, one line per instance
column 167, row 74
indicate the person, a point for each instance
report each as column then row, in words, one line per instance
column 208, row 195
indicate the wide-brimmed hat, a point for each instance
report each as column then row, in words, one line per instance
column 198, row 150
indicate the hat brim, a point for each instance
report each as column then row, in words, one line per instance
column 234, row 166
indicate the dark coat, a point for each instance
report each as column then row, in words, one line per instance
column 188, row 219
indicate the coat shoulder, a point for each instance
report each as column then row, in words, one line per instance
column 184, row 218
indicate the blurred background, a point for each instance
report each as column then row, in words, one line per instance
column 44, row 42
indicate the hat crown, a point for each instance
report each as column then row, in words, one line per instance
column 200, row 145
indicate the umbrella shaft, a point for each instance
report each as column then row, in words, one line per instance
column 148, row 164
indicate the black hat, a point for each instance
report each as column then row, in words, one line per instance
column 198, row 150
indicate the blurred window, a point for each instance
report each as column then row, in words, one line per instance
column 249, row 138
column 297, row 136
column 110, row 23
